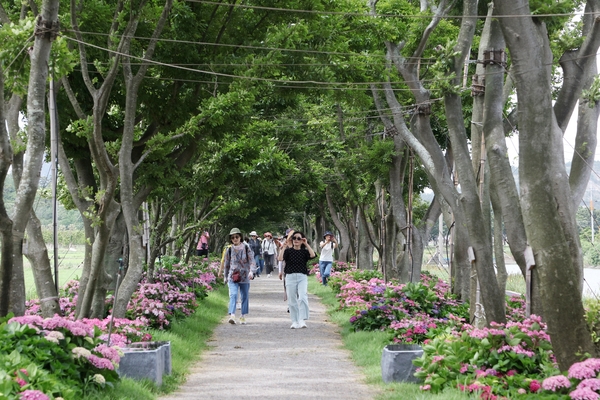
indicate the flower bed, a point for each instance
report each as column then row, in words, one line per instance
column 498, row 362
column 64, row 358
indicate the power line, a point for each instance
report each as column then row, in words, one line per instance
column 358, row 14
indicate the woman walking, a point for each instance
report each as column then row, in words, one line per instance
column 326, row 259
column 202, row 247
column 239, row 266
column 255, row 245
column 269, row 249
column 296, row 278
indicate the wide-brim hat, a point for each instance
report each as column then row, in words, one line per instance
column 253, row 233
column 234, row 231
column 327, row 233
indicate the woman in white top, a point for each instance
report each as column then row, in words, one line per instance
column 326, row 259
column 269, row 249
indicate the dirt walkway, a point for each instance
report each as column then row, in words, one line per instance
column 266, row 359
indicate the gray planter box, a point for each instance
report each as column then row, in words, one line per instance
column 396, row 362
column 146, row 360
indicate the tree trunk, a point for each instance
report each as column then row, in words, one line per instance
column 364, row 257
column 36, row 133
column 37, row 254
column 545, row 193
column 342, row 229
column 6, row 260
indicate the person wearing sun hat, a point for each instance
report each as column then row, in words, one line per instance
column 238, row 258
column 255, row 245
column 326, row 258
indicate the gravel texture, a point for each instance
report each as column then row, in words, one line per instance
column 265, row 359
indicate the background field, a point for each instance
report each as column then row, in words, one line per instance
column 70, row 262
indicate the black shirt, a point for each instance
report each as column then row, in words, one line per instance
column 295, row 261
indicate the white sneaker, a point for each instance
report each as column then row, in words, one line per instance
column 295, row 326
column 302, row 324
column 242, row 320
column 268, row 276
column 232, row 319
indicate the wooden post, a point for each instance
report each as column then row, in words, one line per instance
column 529, row 265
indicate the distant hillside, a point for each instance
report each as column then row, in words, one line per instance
column 43, row 204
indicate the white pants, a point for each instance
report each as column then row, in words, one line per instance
column 296, row 287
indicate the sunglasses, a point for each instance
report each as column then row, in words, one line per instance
column 236, row 237
column 297, row 238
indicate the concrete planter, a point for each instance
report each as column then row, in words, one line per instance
column 146, row 360
column 396, row 362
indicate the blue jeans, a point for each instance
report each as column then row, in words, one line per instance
column 243, row 288
column 325, row 269
column 296, row 286
column 260, row 263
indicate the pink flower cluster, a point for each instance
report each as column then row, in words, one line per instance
column 33, row 395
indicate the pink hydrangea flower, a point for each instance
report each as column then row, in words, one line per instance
column 581, row 371
column 584, row 394
column 100, row 362
column 592, row 383
column 593, row 363
column 33, row 395
column 554, row 383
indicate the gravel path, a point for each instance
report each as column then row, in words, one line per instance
column 266, row 359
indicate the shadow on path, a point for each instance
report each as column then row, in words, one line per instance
column 266, row 359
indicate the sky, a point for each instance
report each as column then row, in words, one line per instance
column 512, row 143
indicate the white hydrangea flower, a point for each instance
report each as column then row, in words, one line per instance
column 54, row 336
column 81, row 352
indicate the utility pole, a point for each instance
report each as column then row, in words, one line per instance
column 54, row 162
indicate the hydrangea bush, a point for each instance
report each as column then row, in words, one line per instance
column 64, row 358
column 513, row 360
column 56, row 357
column 502, row 359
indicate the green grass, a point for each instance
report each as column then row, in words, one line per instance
column 366, row 349
column 70, row 264
column 189, row 339
column 515, row 283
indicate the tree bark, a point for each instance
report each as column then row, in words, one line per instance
column 127, row 169
column 36, row 132
column 37, row 254
column 341, row 227
column 364, row 256
column 6, row 260
column 546, row 198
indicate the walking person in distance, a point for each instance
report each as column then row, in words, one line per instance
column 255, row 245
column 239, row 267
column 326, row 258
column 202, row 247
column 269, row 250
column 296, row 278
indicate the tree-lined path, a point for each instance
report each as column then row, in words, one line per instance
column 266, row 359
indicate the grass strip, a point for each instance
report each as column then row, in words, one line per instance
column 189, row 339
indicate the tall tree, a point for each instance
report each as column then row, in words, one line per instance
column 46, row 30
column 546, row 197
